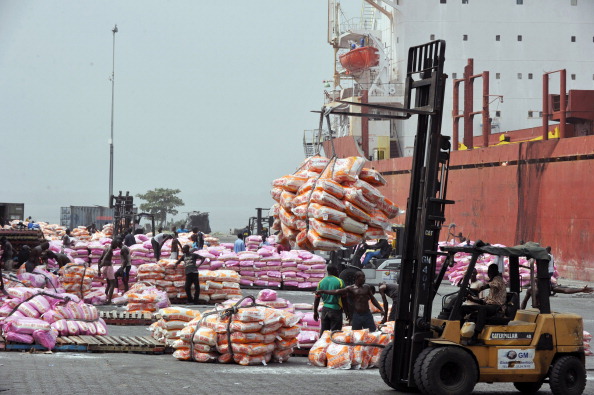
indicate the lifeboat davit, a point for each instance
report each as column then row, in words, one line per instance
column 359, row 59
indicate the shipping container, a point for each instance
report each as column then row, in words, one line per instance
column 73, row 216
column 11, row 211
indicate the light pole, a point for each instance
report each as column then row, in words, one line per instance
column 114, row 31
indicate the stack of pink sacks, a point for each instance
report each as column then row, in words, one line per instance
column 40, row 278
column 82, row 251
column 329, row 203
column 266, row 268
column 252, row 243
column 310, row 329
column 40, row 316
column 587, row 348
column 269, row 297
column 456, row 272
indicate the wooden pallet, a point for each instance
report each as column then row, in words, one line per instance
column 140, row 344
column 300, row 352
column 115, row 317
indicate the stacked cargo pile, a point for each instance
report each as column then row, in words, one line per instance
column 170, row 321
column 360, row 353
column 252, row 243
column 81, row 233
column 587, row 348
column 250, row 335
column 456, row 272
column 32, row 315
column 146, row 298
column 77, row 279
column 310, row 328
column 329, row 203
column 266, row 268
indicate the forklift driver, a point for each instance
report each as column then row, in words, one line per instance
column 489, row 306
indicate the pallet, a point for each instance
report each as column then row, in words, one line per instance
column 300, row 352
column 134, row 344
column 115, row 317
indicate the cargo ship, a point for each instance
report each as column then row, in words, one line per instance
column 519, row 109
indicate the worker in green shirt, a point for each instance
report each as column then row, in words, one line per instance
column 333, row 304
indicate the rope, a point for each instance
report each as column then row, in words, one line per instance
column 353, row 343
column 224, row 313
column 47, row 280
column 64, row 298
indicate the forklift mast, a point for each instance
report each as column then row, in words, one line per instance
column 425, row 86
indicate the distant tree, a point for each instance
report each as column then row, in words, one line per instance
column 160, row 202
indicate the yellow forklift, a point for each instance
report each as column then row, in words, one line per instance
column 430, row 355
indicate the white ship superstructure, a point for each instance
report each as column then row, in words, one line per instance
column 515, row 40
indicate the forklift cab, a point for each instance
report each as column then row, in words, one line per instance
column 526, row 347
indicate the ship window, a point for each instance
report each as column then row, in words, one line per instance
column 442, row 1
column 530, row 114
column 573, row 76
column 520, row 37
column 529, row 76
column 573, row 2
column 540, row 114
column 454, row 75
column 519, row 76
column 432, row 37
column 498, row 38
column 497, row 113
column 497, row 76
column 464, row 1
column 572, row 39
column 465, row 37
column 520, row 2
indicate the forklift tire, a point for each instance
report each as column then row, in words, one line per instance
column 447, row 371
column 418, row 367
column 528, row 388
column 385, row 367
column 568, row 376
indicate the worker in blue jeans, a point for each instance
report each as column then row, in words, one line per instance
column 383, row 250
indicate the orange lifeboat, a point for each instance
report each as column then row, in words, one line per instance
column 359, row 59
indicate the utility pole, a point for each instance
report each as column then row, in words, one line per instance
column 114, row 31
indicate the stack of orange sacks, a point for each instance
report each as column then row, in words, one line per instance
column 360, row 352
column 256, row 335
column 329, row 203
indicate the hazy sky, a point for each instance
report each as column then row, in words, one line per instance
column 211, row 97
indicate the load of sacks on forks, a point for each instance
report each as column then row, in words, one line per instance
column 455, row 273
column 330, row 203
column 351, row 349
column 40, row 316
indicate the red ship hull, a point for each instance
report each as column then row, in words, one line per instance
column 532, row 191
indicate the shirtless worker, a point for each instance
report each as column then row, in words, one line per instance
column 126, row 264
column 61, row 259
column 106, row 264
column 361, row 294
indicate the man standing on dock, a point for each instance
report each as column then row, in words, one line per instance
column 7, row 253
column 333, row 305
column 239, row 244
column 361, row 293
column 191, row 269
column 106, row 264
